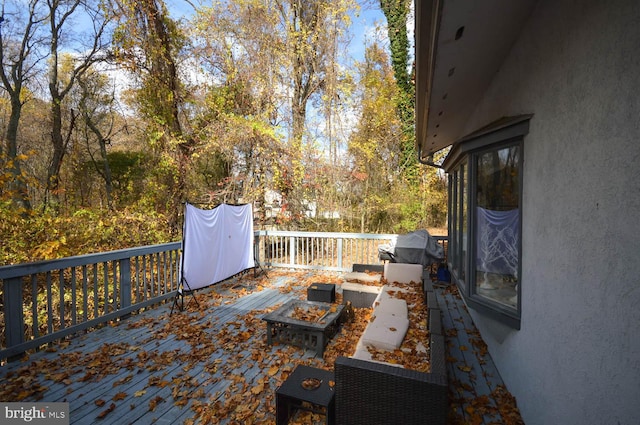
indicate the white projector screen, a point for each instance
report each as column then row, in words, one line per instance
column 216, row 243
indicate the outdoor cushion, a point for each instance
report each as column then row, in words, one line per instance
column 357, row 287
column 403, row 273
column 386, row 332
column 362, row 353
column 361, row 277
column 387, row 305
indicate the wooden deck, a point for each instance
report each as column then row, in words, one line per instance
column 477, row 394
column 211, row 364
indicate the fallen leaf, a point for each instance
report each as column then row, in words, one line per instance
column 104, row 413
column 257, row 389
column 153, row 403
column 22, row 395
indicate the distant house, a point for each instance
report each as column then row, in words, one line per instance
column 540, row 101
column 274, row 206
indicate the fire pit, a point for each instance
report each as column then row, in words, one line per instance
column 306, row 324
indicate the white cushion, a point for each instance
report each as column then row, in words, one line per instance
column 403, row 273
column 387, row 305
column 356, row 287
column 385, row 332
column 361, row 277
column 361, row 352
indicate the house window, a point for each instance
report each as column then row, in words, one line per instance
column 462, row 223
column 452, row 223
column 485, row 218
column 458, row 223
column 497, row 224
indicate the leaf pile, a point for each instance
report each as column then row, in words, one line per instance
column 310, row 313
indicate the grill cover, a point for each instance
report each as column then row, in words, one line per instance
column 415, row 248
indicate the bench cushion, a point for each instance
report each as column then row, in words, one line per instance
column 357, row 287
column 362, row 353
column 385, row 332
column 362, row 277
column 386, row 305
column 403, row 273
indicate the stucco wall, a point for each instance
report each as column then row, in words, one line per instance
column 576, row 67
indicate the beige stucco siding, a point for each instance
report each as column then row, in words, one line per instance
column 576, row 67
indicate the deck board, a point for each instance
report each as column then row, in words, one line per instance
column 472, row 374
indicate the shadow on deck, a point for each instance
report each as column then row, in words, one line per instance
column 212, row 364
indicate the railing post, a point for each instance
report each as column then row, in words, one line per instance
column 256, row 248
column 125, row 282
column 292, row 250
column 13, row 316
column 340, row 252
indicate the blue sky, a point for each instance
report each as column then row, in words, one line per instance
column 364, row 28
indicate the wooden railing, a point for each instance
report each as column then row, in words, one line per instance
column 49, row 300
column 317, row 250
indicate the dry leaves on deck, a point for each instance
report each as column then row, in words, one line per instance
column 227, row 372
column 213, row 354
column 467, row 407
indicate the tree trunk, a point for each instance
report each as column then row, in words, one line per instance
column 57, row 141
column 18, row 186
column 106, row 169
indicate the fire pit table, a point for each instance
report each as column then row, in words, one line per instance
column 306, row 324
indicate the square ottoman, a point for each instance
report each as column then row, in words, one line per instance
column 323, row 292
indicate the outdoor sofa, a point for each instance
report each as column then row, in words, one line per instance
column 371, row 392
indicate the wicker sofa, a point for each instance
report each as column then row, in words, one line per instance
column 370, row 392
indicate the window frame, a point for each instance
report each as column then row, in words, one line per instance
column 501, row 134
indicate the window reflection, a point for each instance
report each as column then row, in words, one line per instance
column 497, row 225
column 463, row 223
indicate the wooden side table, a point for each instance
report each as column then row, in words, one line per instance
column 291, row 395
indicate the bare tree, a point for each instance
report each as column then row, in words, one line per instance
column 18, row 59
column 61, row 14
column 312, row 31
column 95, row 106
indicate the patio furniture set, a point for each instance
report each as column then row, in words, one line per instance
column 363, row 390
